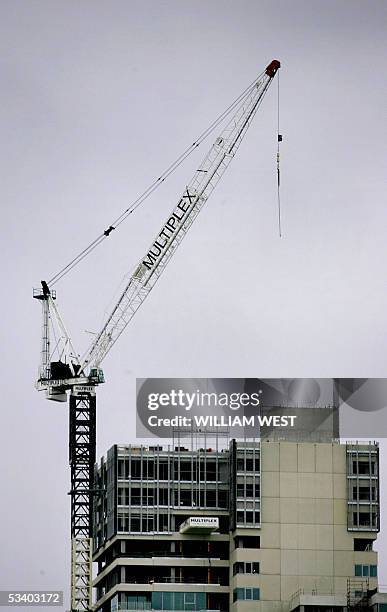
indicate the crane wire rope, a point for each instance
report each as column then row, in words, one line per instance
column 153, row 186
column 279, row 139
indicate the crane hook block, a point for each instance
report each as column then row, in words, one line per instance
column 272, row 68
column 108, row 230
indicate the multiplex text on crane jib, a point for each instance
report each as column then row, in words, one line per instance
column 169, row 230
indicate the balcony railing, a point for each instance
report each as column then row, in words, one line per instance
column 172, row 555
column 185, row 580
column 148, row 606
column 175, row 580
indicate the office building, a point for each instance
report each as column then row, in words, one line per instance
column 262, row 525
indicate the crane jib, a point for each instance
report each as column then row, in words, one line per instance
column 196, row 193
column 170, row 229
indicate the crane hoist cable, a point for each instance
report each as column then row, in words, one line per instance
column 279, row 140
column 154, row 185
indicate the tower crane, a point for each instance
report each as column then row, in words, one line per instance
column 78, row 377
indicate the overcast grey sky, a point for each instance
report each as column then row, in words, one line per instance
column 97, row 99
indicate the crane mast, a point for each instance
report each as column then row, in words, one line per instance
column 81, row 377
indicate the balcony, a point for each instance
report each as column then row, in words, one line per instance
column 146, row 606
column 135, row 607
column 172, row 555
column 318, row 598
column 198, row 580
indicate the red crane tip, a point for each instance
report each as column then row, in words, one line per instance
column 272, row 68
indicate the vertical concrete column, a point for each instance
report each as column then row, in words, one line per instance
column 173, row 569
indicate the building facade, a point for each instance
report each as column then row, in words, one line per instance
column 256, row 525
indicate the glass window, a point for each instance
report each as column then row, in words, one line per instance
column 245, row 568
column 201, row 600
column 186, row 497
column 163, row 470
column 365, row 570
column 157, row 600
column 373, row 571
column 135, row 469
column 149, row 468
column 364, row 519
column 123, row 468
column 185, row 470
column 163, row 497
column 246, row 594
column 249, row 517
column 211, row 498
column 247, row 542
column 358, row 570
column 123, row 496
column 135, row 522
column 238, row 594
column 222, row 499
column 163, row 522
column 249, row 490
column 189, row 602
column 135, row 497
column 135, row 602
column 123, row 521
column 240, row 489
column 249, row 465
column 238, row 568
column 189, row 597
column 178, row 601
column 211, row 470
column 147, row 523
column 148, row 496
column 362, row 466
column 167, row 601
